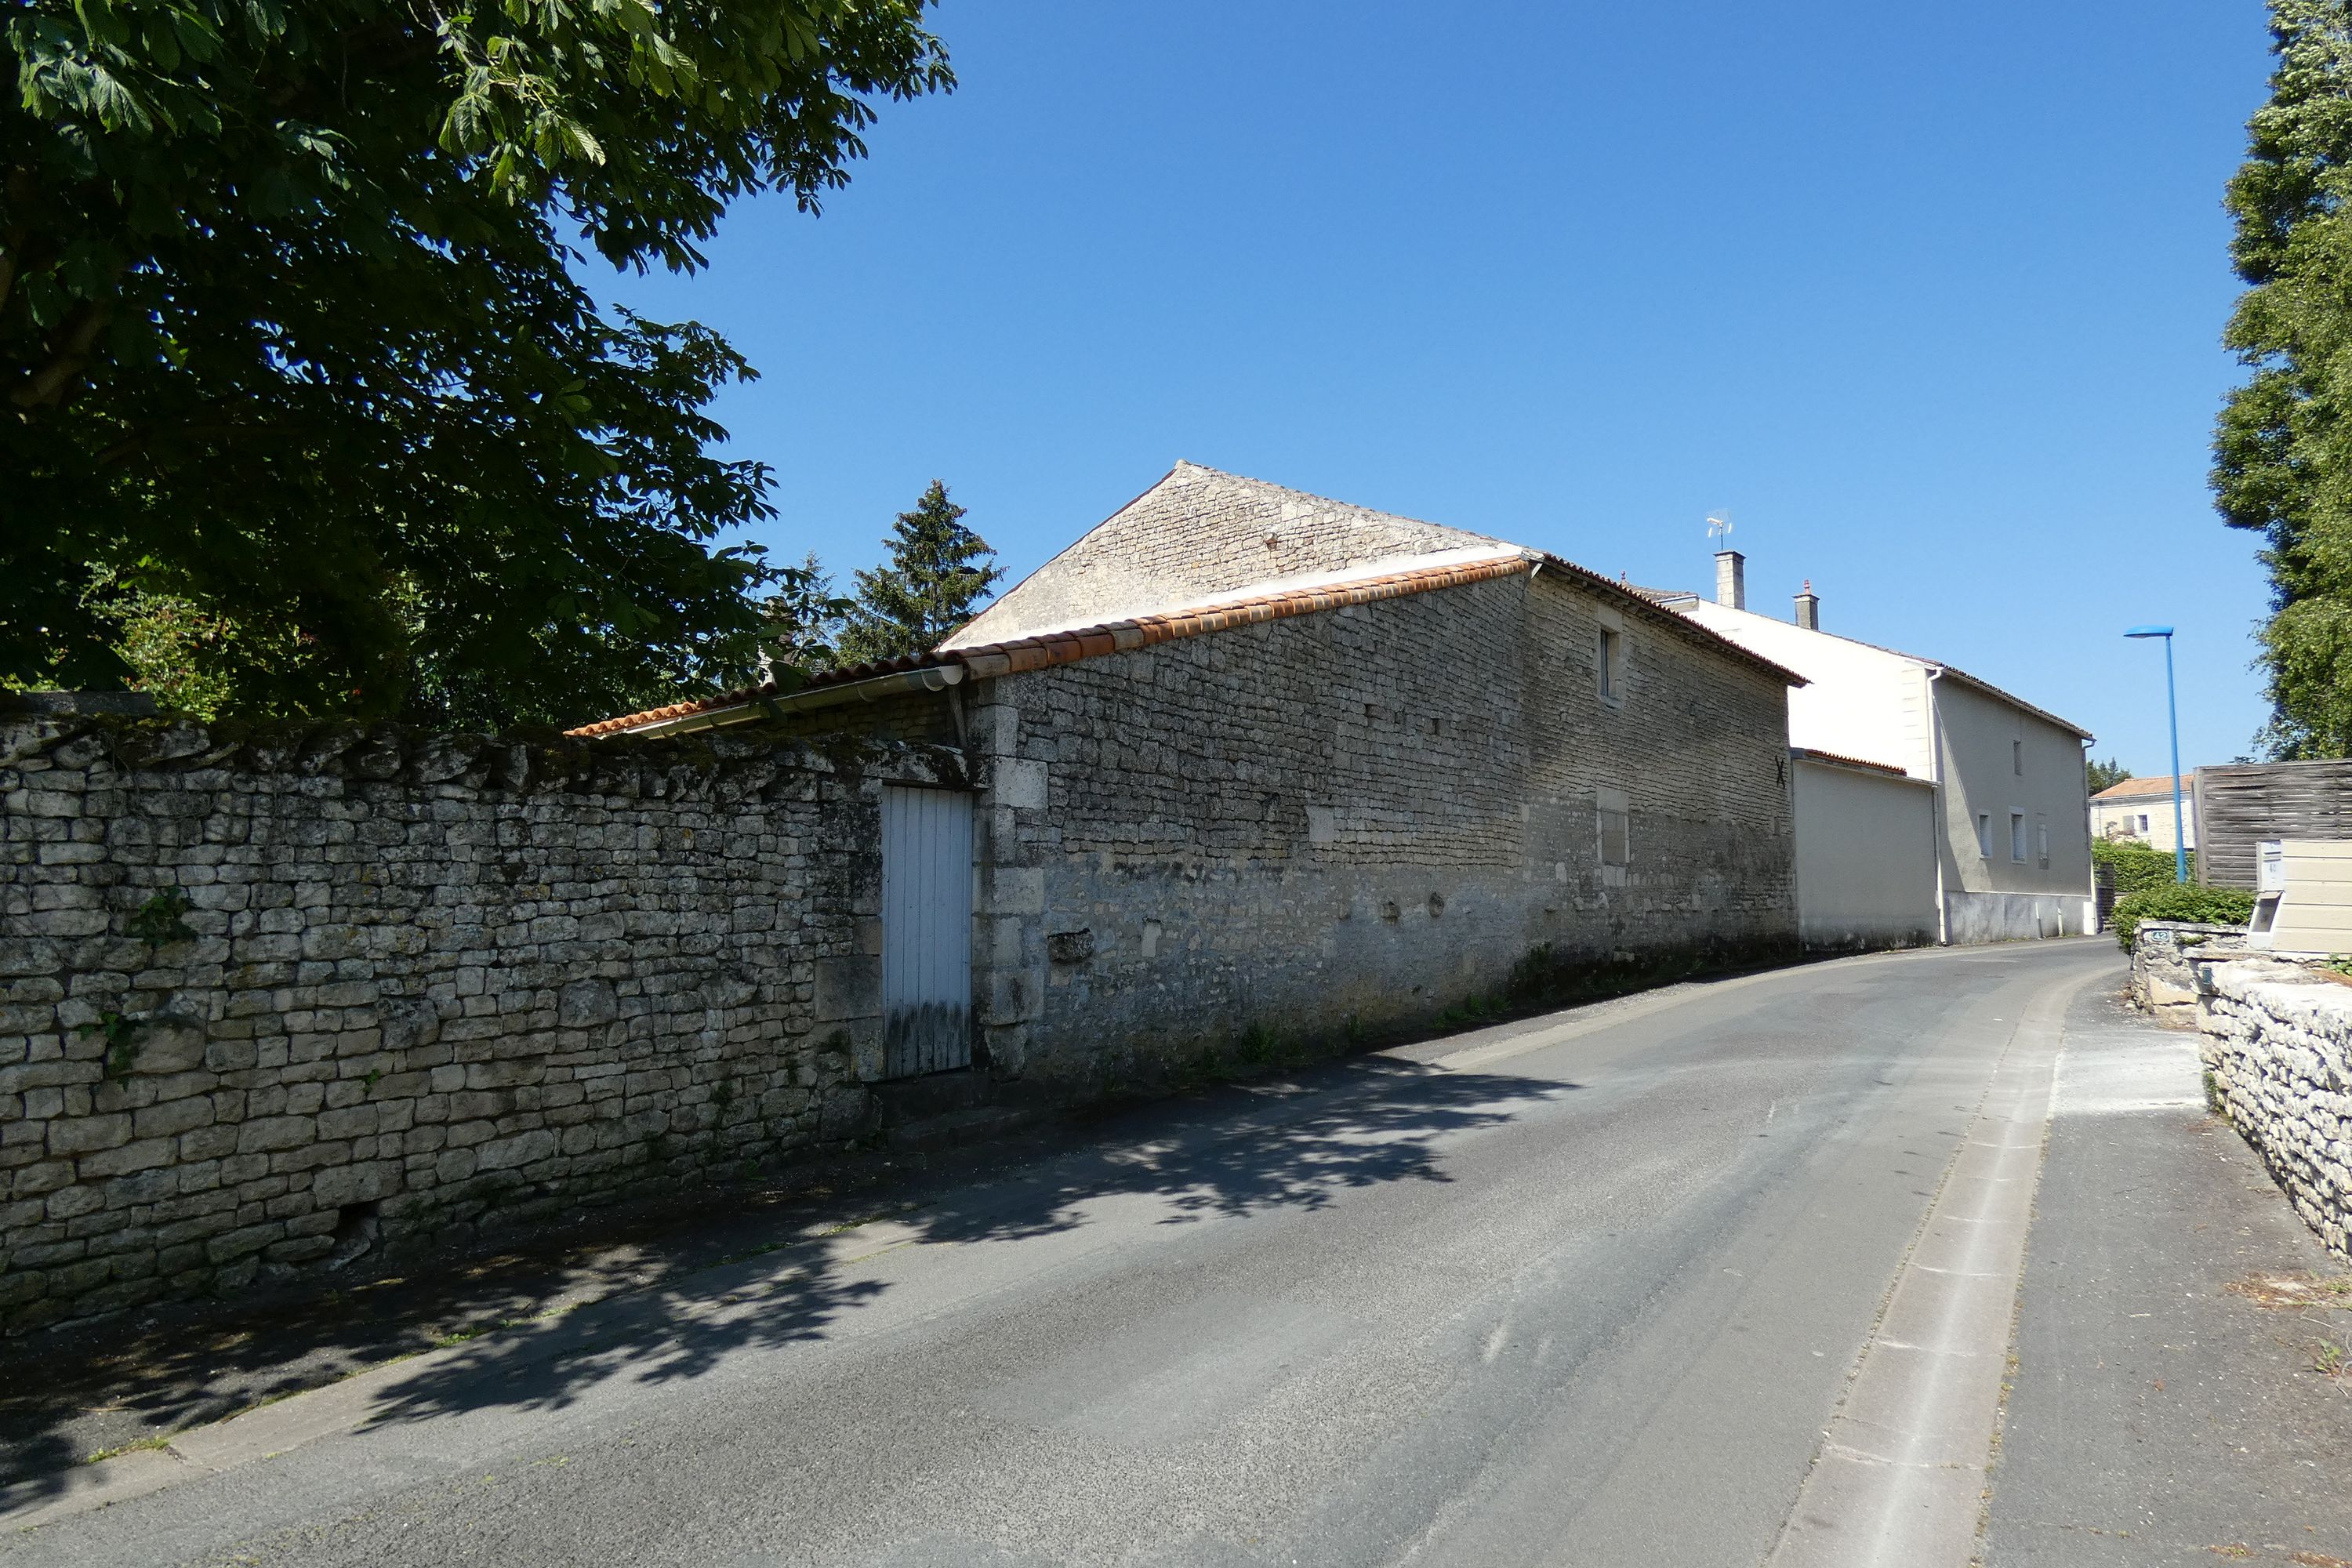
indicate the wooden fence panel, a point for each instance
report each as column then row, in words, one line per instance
column 2239, row 806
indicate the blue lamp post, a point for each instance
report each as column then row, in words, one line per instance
column 2172, row 708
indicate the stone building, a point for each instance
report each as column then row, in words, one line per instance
column 1250, row 764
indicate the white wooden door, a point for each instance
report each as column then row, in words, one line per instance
column 925, row 930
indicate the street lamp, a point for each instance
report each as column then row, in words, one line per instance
column 2172, row 708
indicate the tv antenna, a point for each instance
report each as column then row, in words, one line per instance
column 1718, row 526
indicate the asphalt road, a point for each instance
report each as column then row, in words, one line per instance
column 1601, row 1289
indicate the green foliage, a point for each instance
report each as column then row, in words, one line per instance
column 2282, row 449
column 158, row 922
column 939, row 578
column 121, row 1037
column 2180, row 901
column 803, row 619
column 2104, row 775
column 2136, row 868
column 302, row 408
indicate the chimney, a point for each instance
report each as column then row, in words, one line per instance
column 1808, row 608
column 1731, row 579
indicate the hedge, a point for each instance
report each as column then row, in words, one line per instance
column 2181, row 902
column 2136, row 868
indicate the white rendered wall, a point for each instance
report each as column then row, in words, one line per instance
column 1862, row 702
column 1865, row 860
column 2120, row 819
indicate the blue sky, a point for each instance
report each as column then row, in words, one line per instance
column 1930, row 297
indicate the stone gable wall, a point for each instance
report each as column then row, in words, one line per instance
column 421, row 984
column 1196, row 533
column 1354, row 820
column 2278, row 1045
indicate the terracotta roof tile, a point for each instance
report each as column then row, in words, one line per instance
column 2144, row 789
column 1046, row 649
column 1820, row 756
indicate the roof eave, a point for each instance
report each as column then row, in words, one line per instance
column 930, row 678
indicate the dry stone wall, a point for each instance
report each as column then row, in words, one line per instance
column 272, row 998
column 2165, row 958
column 2279, row 1045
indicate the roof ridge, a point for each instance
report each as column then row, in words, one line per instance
column 1942, row 666
column 1326, row 500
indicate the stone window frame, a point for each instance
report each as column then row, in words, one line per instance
column 1609, row 658
column 1608, row 804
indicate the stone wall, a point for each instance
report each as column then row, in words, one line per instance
column 271, row 998
column 2163, row 979
column 1348, row 822
column 1196, row 533
column 2278, row 1047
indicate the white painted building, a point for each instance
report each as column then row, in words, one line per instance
column 2002, row 847
column 2139, row 811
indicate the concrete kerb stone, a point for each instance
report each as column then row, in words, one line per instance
column 1900, row 1475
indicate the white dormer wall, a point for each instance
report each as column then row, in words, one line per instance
column 1862, row 702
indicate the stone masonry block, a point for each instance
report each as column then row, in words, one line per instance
column 847, row 987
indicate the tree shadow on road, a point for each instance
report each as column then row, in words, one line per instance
column 677, row 1296
column 1297, row 1146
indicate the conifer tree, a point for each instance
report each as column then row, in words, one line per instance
column 939, row 577
column 2283, row 451
column 803, row 620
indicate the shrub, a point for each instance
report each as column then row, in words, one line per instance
column 2135, row 867
column 2180, row 901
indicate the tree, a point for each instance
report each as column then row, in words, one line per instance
column 804, row 618
column 939, row 578
column 2282, row 449
column 2105, row 776
column 296, row 375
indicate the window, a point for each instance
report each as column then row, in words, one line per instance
column 2017, row 836
column 2041, row 841
column 1984, row 834
column 1616, row 826
column 1611, row 665
column 2017, row 758
column 2143, row 822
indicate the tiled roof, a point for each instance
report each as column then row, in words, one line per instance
column 2144, row 789
column 1269, row 601
column 988, row 659
column 1819, row 755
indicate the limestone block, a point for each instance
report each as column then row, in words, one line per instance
column 268, row 1134
column 88, row 1134
column 847, row 987
column 586, row 1003
column 171, row 1117
column 1018, row 785
column 368, row 1183
column 145, row 1154
column 169, row 1046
